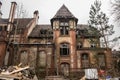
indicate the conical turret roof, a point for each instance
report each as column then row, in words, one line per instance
column 63, row 12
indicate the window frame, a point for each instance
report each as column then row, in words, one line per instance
column 86, row 61
column 24, row 57
column 101, row 61
column 42, row 55
column 64, row 49
column 64, row 28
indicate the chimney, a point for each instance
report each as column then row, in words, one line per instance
column 0, row 9
column 36, row 15
column 0, row 5
column 11, row 15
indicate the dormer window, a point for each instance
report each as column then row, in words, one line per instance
column 93, row 45
column 42, row 31
column 79, row 45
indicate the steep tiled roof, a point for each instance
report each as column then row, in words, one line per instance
column 82, row 26
column 36, row 30
column 87, row 31
column 23, row 22
column 63, row 12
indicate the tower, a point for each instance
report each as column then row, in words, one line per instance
column 64, row 31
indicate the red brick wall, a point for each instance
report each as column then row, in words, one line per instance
column 2, row 52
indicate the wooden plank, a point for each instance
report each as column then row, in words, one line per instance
column 15, row 71
column 9, row 77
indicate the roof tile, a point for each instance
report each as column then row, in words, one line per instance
column 64, row 12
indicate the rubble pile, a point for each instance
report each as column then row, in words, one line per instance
column 17, row 73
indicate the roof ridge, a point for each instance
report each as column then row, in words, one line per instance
column 43, row 24
column 23, row 18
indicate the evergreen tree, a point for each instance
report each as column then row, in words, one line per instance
column 99, row 20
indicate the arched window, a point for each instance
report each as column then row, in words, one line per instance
column 101, row 60
column 65, row 69
column 24, row 57
column 41, row 59
column 64, row 49
column 85, row 60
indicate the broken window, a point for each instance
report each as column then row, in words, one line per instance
column 65, row 69
column 6, row 59
column 85, row 60
column 24, row 57
column 64, row 28
column 41, row 59
column 64, row 49
column 101, row 60
column 43, row 31
column 93, row 45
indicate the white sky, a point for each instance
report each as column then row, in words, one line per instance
column 48, row 8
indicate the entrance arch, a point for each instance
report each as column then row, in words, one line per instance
column 65, row 69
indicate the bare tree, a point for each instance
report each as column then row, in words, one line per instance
column 20, row 13
column 116, row 9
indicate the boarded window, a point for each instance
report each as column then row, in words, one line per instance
column 85, row 60
column 24, row 57
column 65, row 69
column 101, row 60
column 41, row 59
column 6, row 58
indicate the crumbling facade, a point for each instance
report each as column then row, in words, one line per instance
column 62, row 47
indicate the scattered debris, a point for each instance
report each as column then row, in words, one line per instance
column 17, row 73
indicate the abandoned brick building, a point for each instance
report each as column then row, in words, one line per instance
column 62, row 46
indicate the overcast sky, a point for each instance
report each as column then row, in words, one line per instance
column 48, row 8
